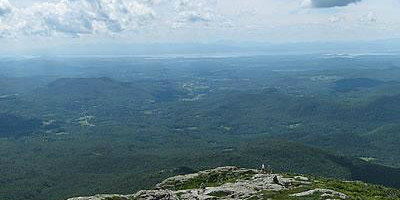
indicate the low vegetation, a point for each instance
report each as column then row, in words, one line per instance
column 354, row 191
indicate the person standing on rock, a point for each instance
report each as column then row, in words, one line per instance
column 263, row 168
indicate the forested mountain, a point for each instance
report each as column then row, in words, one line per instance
column 118, row 125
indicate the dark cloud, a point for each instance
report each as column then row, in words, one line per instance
column 331, row 3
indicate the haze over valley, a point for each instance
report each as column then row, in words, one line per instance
column 205, row 99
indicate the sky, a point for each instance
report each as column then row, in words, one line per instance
column 26, row 24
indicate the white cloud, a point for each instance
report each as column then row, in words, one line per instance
column 83, row 17
column 202, row 20
column 188, row 12
column 77, row 17
column 5, row 8
column 369, row 18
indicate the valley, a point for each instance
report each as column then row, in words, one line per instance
column 118, row 125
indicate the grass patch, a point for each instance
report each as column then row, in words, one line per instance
column 359, row 190
column 213, row 179
column 220, row 193
column 285, row 195
column 116, row 198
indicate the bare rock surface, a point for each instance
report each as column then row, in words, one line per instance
column 324, row 193
column 223, row 183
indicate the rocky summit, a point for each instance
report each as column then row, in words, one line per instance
column 239, row 183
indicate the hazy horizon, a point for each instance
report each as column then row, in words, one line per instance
column 41, row 27
column 138, row 97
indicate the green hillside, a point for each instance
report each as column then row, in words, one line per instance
column 121, row 125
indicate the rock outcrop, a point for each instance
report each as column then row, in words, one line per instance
column 228, row 183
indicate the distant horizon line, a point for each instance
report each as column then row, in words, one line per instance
column 200, row 55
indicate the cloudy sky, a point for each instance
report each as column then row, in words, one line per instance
column 51, row 22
